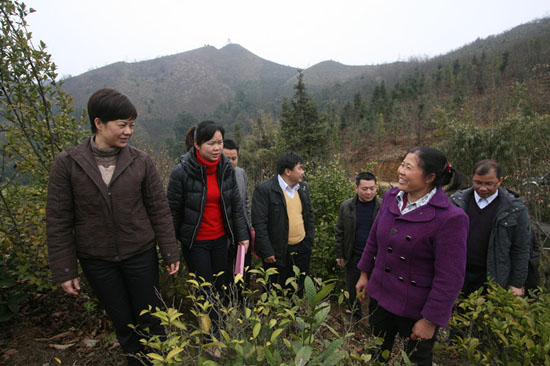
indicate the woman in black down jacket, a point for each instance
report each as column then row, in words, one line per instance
column 206, row 207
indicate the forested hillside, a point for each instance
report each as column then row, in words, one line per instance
column 232, row 86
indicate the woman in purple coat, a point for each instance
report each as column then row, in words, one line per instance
column 413, row 265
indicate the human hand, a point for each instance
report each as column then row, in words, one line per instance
column 517, row 291
column 245, row 244
column 71, row 286
column 423, row 330
column 270, row 259
column 340, row 262
column 361, row 287
column 173, row 268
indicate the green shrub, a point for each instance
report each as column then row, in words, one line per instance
column 329, row 186
column 266, row 326
column 498, row 328
column 35, row 125
column 520, row 144
column 23, row 236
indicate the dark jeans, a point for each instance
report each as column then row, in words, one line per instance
column 124, row 289
column 296, row 255
column 352, row 276
column 205, row 259
column 386, row 325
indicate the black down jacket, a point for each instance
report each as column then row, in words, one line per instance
column 187, row 198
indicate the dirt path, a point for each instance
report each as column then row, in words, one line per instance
column 58, row 327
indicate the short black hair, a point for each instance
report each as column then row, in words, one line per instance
column 109, row 105
column 230, row 145
column 205, row 130
column 483, row 167
column 364, row 176
column 288, row 160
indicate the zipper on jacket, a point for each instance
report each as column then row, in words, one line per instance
column 205, row 188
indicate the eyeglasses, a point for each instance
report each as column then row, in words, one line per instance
column 485, row 184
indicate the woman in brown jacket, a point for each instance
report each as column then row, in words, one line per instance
column 106, row 209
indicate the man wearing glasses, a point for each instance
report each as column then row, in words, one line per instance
column 499, row 236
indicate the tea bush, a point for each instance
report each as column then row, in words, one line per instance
column 267, row 325
column 329, row 186
column 498, row 328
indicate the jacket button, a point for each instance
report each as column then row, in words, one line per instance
column 390, row 249
column 394, row 231
column 66, row 270
column 117, row 258
column 402, row 258
column 408, row 238
column 387, row 269
column 400, row 278
column 109, row 193
column 168, row 254
column 413, row 283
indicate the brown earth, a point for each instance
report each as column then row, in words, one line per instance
column 56, row 329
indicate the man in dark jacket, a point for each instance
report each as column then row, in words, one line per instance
column 499, row 236
column 283, row 220
column 106, row 209
column 355, row 219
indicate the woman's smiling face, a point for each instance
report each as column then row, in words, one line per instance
column 411, row 177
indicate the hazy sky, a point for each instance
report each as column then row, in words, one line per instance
column 82, row 35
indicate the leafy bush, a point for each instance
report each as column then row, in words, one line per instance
column 35, row 125
column 498, row 328
column 11, row 296
column 266, row 326
column 520, row 143
column 329, row 186
column 22, row 236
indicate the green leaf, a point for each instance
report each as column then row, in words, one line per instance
column 303, row 356
column 275, row 334
column 173, row 352
column 155, row 356
column 321, row 313
column 309, row 287
column 325, row 291
column 256, row 330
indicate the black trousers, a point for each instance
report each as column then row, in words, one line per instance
column 386, row 325
column 124, row 289
column 296, row 255
column 206, row 259
column 352, row 276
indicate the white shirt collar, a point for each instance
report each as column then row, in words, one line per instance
column 291, row 191
column 484, row 202
column 414, row 205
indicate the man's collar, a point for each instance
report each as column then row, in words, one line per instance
column 489, row 199
column 285, row 186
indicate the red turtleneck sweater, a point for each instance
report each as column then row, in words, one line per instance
column 212, row 219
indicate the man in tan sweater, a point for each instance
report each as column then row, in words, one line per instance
column 283, row 220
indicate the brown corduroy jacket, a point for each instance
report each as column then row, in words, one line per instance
column 85, row 218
